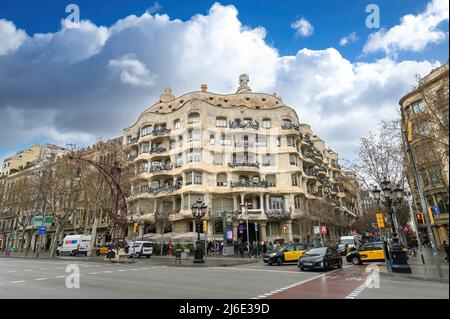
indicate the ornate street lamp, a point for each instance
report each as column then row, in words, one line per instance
column 390, row 197
column 198, row 212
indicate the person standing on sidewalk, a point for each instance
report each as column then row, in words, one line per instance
column 445, row 245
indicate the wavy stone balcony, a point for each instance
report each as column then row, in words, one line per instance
column 158, row 150
column 132, row 141
column 307, row 140
column 163, row 190
column 160, row 168
column 160, row 132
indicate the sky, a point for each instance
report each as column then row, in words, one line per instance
column 63, row 82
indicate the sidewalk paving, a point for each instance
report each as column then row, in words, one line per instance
column 210, row 261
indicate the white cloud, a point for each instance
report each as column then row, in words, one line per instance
column 95, row 81
column 10, row 37
column 413, row 33
column 132, row 71
column 302, row 28
column 351, row 38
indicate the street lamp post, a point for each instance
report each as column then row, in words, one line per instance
column 198, row 212
column 244, row 206
column 390, row 197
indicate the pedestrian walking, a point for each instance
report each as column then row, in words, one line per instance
column 236, row 247
column 264, row 247
column 221, row 248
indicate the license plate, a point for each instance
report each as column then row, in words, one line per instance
column 307, row 264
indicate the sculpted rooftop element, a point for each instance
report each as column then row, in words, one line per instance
column 243, row 84
column 167, row 95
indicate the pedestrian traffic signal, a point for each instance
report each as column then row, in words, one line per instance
column 136, row 227
column 419, row 219
column 204, row 226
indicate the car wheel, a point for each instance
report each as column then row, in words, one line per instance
column 302, row 269
column 279, row 261
column 340, row 264
column 269, row 263
column 356, row 261
column 148, row 256
column 137, row 255
column 57, row 253
column 326, row 265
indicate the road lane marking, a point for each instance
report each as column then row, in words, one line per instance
column 43, row 278
column 93, row 273
column 297, row 284
column 120, row 270
column 18, row 281
column 43, row 268
column 60, row 276
column 355, row 293
column 107, row 271
column 10, row 271
column 263, row 270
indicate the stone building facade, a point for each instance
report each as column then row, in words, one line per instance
column 425, row 111
column 230, row 149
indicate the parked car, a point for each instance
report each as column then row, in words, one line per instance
column 367, row 252
column 341, row 249
column 139, row 249
column 320, row 258
column 286, row 254
column 73, row 245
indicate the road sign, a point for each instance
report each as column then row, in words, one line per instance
column 48, row 220
column 42, row 230
column 380, row 220
column 316, row 230
column 38, row 220
column 323, row 229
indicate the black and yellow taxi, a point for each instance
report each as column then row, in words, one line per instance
column 103, row 249
column 366, row 252
column 287, row 254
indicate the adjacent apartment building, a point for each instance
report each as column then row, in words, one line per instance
column 233, row 149
column 424, row 112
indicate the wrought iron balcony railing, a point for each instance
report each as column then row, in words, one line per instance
column 243, row 164
column 166, row 189
column 309, row 154
column 310, row 172
column 251, row 184
column 161, row 131
column 158, row 150
column 290, row 126
column 156, row 168
column 132, row 141
column 244, row 124
column 274, row 214
column 308, row 140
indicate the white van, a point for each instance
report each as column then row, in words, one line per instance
column 74, row 244
column 140, row 248
column 352, row 241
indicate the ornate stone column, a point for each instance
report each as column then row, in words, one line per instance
column 289, row 230
column 262, row 229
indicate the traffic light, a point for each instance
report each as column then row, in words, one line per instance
column 410, row 131
column 419, row 219
column 136, row 227
column 204, row 226
column 430, row 213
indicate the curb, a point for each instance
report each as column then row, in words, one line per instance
column 434, row 279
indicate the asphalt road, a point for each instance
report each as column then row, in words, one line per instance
column 22, row 278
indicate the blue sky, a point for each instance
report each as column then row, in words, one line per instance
column 39, row 87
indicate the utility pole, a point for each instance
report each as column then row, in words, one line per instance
column 419, row 240
column 424, row 207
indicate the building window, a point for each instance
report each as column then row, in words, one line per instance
column 180, row 141
column 193, row 135
column 298, row 202
column 416, row 107
column 268, row 160
column 266, row 123
column 293, row 159
column 279, row 141
column 146, row 130
column 271, row 180
column 222, row 179
column 442, row 202
column 176, row 124
column 212, row 139
column 224, row 140
column 178, row 160
column 294, row 180
column 144, row 148
column 172, row 144
column 276, row 202
column 217, row 160
column 435, row 175
column 290, row 141
column 221, row 122
column 194, row 118
column 260, row 141
column 247, row 120
column 194, row 155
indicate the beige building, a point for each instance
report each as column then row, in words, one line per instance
column 228, row 149
column 26, row 157
column 425, row 112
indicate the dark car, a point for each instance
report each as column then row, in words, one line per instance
column 320, row 258
column 286, row 254
column 341, row 249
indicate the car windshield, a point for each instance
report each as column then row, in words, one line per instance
column 348, row 241
column 317, row 251
column 341, row 245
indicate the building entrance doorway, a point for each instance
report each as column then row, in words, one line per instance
column 252, row 233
